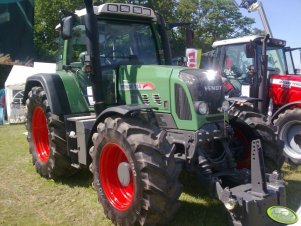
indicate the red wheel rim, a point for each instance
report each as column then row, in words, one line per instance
column 40, row 134
column 118, row 195
column 246, row 162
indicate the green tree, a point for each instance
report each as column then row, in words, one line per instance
column 47, row 17
column 210, row 19
column 213, row 20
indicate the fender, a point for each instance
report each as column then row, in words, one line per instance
column 55, row 92
column 285, row 107
column 122, row 110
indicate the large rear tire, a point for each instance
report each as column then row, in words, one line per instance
column 250, row 126
column 46, row 137
column 289, row 124
column 135, row 175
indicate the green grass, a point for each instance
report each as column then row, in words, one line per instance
column 28, row 199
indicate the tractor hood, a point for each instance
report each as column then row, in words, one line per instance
column 147, row 84
column 173, row 90
column 204, row 85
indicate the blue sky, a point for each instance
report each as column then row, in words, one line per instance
column 284, row 17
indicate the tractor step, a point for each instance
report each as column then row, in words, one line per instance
column 78, row 129
column 74, row 151
column 76, row 166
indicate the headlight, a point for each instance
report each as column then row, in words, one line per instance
column 225, row 105
column 230, row 204
column 211, row 74
column 201, row 107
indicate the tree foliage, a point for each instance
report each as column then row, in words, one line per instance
column 213, row 20
column 210, row 20
column 47, row 17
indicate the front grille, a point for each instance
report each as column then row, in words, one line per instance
column 182, row 104
column 157, row 99
column 145, row 99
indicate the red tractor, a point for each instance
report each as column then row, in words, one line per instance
column 262, row 68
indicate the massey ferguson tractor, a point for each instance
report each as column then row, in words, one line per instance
column 262, row 68
column 118, row 107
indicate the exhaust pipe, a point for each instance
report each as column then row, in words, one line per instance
column 262, row 94
column 93, row 54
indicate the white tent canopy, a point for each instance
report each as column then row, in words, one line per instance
column 14, row 88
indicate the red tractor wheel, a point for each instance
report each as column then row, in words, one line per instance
column 244, row 142
column 40, row 134
column 289, row 124
column 116, row 176
column 241, row 143
column 45, row 137
column 135, row 178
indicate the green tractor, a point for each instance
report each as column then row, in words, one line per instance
column 118, row 107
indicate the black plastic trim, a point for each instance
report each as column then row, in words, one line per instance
column 182, row 104
column 121, row 110
column 55, row 92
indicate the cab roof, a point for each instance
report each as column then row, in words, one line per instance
column 246, row 39
column 120, row 9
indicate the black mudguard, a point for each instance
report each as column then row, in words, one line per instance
column 121, row 110
column 284, row 107
column 55, row 92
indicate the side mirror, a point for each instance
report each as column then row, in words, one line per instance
column 250, row 50
column 66, row 27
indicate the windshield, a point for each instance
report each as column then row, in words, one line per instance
column 122, row 43
column 290, row 63
column 276, row 59
column 235, row 63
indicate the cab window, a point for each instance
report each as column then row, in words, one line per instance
column 126, row 43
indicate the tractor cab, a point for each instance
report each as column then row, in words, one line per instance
column 120, row 43
column 95, row 49
column 263, row 68
column 105, row 52
column 116, row 49
column 239, row 62
column 257, row 68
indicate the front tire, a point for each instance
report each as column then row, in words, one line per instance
column 47, row 143
column 135, row 173
column 289, row 124
column 250, row 126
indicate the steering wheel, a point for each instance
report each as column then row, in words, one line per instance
column 111, row 56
